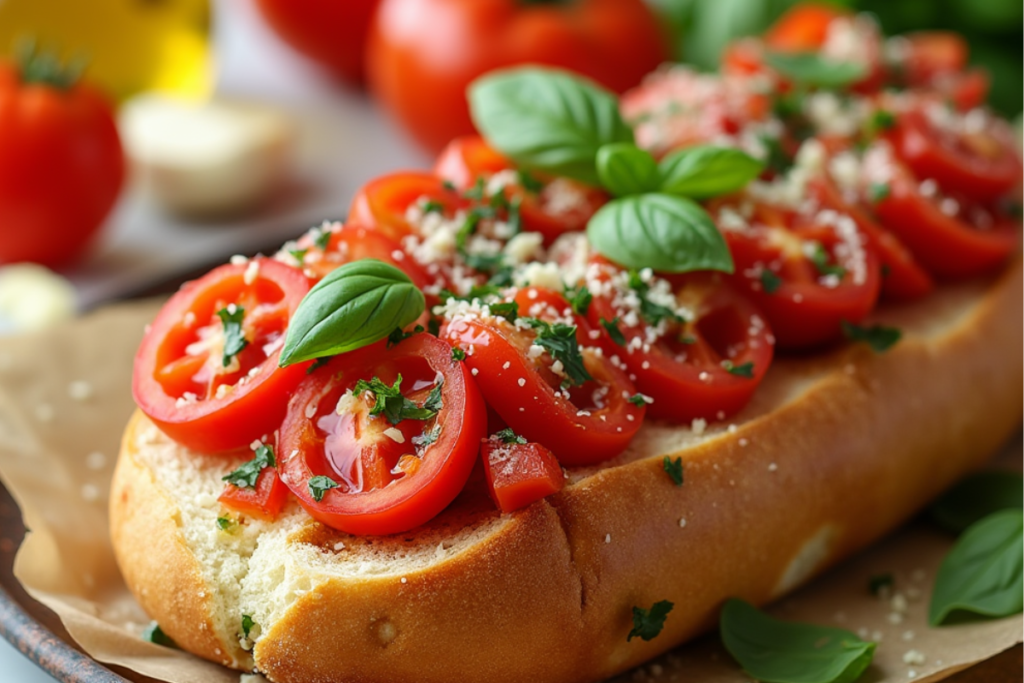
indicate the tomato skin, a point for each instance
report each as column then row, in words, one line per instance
column 411, row 500
column 932, row 53
column 253, row 408
column 423, row 53
column 803, row 28
column 330, row 32
column 903, row 277
column 61, row 169
column 520, row 393
column 945, row 245
column 723, row 318
column 468, row 158
column 264, row 501
column 354, row 242
column 381, row 203
column 983, row 166
column 519, row 474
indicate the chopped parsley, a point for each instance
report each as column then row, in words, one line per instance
column 687, row 339
column 477, row 191
column 651, row 312
column 559, row 340
column 247, row 624
column 770, row 282
column 458, row 354
column 506, row 435
column 448, row 185
column 298, row 254
column 741, row 370
column 529, row 182
column 879, row 337
column 674, row 469
column 320, row 485
column 612, row 328
column 396, row 407
column 245, row 476
column 154, row 634
column 224, row 523
column 777, row 160
column 397, row 336
column 427, row 437
column 234, row 337
column 432, row 206
column 323, row 238
column 579, row 297
column 638, row 400
column 468, row 227
column 509, row 310
column 434, row 326
column 515, row 217
column 878, row 192
column 821, row 260
column 882, row 119
column 647, row 623
column 880, row 583
column 487, row 263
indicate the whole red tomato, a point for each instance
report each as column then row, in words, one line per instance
column 331, row 32
column 423, row 53
column 61, row 164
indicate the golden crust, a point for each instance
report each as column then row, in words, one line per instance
column 861, row 442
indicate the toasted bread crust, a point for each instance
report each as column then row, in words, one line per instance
column 842, row 448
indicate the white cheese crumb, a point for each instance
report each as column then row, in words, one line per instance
column 80, row 390
column 394, row 434
column 899, row 603
column 405, row 580
column 698, row 426
column 44, row 412
column 95, row 460
column 521, row 382
column 772, row 467
column 239, row 260
column 913, row 657
column 340, row 545
column 476, row 372
column 607, row 538
column 252, row 271
column 90, row 493
column 908, row 635
column 682, row 522
column 895, row 618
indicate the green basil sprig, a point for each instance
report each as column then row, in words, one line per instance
column 977, row 497
column 659, row 231
column 625, row 169
column 777, row 651
column 983, row 572
column 547, row 119
column 353, row 306
column 707, row 171
column 812, row 70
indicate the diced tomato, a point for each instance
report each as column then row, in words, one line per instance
column 264, row 501
column 519, row 474
column 383, row 203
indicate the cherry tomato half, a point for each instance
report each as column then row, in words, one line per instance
column 582, row 423
column 383, row 203
column 185, row 382
column 704, row 365
column 264, row 501
column 808, row 273
column 550, row 206
column 519, row 473
column 364, row 474
column 803, row 28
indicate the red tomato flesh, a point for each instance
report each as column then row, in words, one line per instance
column 519, row 474
column 264, row 501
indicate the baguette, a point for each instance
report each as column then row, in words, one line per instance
column 835, row 450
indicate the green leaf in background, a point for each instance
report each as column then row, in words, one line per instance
column 809, row 69
column 547, row 119
column 983, row 572
column 879, row 337
column 668, row 234
column 707, row 171
column 625, row 169
column 978, row 496
column 777, row 651
column 353, row 306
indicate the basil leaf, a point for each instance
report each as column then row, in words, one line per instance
column 983, row 572
column 355, row 305
column 506, row 435
column 246, row 476
column 234, row 336
column 668, row 234
column 647, row 623
column 810, row 69
column 579, row 297
column 707, row 171
column 625, row 169
column 547, row 119
column 879, row 337
column 319, row 485
column 673, row 468
column 777, row 651
column 976, row 497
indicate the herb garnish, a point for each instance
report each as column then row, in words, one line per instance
column 506, row 435
column 770, row 282
column 976, row 497
column 674, row 469
column 245, row 477
column 879, row 337
column 559, row 340
column 878, row 192
column 154, row 634
column 612, row 328
column 820, row 257
column 579, row 297
column 741, row 370
column 395, row 406
column 653, row 313
column 247, row 624
column 398, row 336
column 224, row 523
column 647, row 623
column 323, row 238
column 234, row 336
column 880, row 583
column 458, row 354
column 319, row 485
column 509, row 310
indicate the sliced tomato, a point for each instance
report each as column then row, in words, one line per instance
column 182, row 380
column 383, row 203
column 264, row 501
column 803, row 28
column 950, row 237
column 581, row 423
column 706, row 365
column 808, row 273
column 519, row 474
column 903, row 278
column 382, row 477
column 550, row 206
column 973, row 154
column 352, row 243
column 929, row 54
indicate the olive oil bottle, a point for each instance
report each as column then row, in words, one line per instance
column 128, row 46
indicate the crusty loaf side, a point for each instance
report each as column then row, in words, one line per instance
column 834, row 451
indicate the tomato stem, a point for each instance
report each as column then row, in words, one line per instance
column 44, row 67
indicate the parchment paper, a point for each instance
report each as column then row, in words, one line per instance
column 64, row 399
